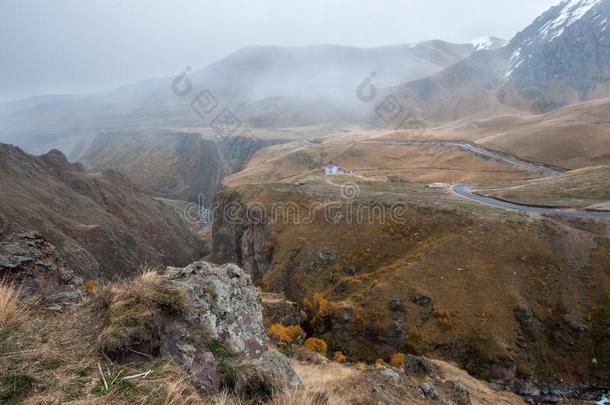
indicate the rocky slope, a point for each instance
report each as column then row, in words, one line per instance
column 195, row 335
column 519, row 302
column 559, row 59
column 102, row 224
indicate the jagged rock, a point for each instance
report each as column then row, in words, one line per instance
column 341, row 287
column 429, row 390
column 419, row 365
column 530, row 326
column 396, row 304
column 276, row 364
column 574, row 325
column 225, row 305
column 238, row 237
column 461, row 390
column 423, row 299
column 206, row 373
column 388, row 372
column 30, row 261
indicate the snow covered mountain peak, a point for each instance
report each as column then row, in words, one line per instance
column 487, row 43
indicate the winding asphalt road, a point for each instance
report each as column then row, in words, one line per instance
column 485, row 153
column 464, row 191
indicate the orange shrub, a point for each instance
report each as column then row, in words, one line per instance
column 340, row 357
column 316, row 345
column 91, row 285
column 398, row 360
column 287, row 334
column 443, row 318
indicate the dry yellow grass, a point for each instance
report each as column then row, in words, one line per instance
column 333, row 380
column 11, row 308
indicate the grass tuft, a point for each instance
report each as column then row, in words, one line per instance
column 11, row 309
column 138, row 312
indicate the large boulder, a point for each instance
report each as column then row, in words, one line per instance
column 225, row 309
column 208, row 318
column 224, row 304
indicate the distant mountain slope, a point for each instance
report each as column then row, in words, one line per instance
column 102, row 225
column 488, row 43
column 259, row 72
column 313, row 84
column 562, row 58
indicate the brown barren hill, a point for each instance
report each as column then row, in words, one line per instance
column 572, row 137
column 101, row 224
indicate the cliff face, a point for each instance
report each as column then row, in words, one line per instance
column 102, row 225
column 240, row 235
column 178, row 166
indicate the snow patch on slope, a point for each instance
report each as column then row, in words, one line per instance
column 572, row 11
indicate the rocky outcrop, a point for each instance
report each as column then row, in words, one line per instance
column 561, row 58
column 224, row 307
column 224, row 304
column 31, row 262
column 207, row 318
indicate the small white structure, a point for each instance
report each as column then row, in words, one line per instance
column 437, row 185
column 331, row 169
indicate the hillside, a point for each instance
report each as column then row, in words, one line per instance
column 560, row 59
column 371, row 155
column 101, row 224
column 573, row 137
column 517, row 300
column 582, row 188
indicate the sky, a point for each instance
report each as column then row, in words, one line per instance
column 79, row 46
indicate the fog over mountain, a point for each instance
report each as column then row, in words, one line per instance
column 72, row 46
